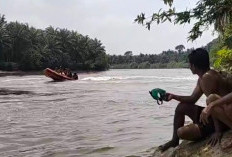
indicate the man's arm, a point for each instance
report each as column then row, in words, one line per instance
column 227, row 99
column 211, row 86
column 197, row 93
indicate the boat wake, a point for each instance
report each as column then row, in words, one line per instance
column 108, row 78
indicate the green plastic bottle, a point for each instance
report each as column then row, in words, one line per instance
column 159, row 95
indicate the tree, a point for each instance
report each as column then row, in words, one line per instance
column 180, row 48
column 19, row 34
column 206, row 13
column 223, row 51
column 28, row 48
column 5, row 43
column 166, row 59
column 128, row 56
column 128, row 53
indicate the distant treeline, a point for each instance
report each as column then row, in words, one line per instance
column 27, row 48
column 177, row 58
column 167, row 59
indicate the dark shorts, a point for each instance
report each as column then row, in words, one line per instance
column 207, row 129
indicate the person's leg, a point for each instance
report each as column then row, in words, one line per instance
column 197, row 131
column 192, row 111
column 190, row 132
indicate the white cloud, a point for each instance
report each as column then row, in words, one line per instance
column 110, row 21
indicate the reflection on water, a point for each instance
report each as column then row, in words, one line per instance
column 103, row 114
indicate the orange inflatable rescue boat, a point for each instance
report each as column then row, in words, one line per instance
column 56, row 76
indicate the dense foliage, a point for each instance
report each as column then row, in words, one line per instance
column 27, row 48
column 205, row 13
column 223, row 51
column 167, row 59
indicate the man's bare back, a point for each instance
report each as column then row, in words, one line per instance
column 213, row 82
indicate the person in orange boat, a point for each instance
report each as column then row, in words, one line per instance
column 66, row 71
column 75, row 76
column 69, row 74
column 60, row 70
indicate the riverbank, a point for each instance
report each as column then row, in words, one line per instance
column 200, row 149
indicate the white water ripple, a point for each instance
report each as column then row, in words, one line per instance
column 106, row 78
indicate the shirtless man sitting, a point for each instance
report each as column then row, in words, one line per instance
column 209, row 82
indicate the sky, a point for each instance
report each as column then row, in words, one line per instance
column 110, row 21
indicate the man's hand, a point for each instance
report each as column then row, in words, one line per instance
column 205, row 114
column 169, row 96
column 215, row 138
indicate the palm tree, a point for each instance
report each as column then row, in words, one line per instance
column 35, row 36
column 53, row 55
column 64, row 38
column 75, row 53
column 19, row 39
column 5, row 43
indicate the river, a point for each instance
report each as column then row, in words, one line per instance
column 104, row 114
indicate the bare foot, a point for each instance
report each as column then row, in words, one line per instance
column 167, row 145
